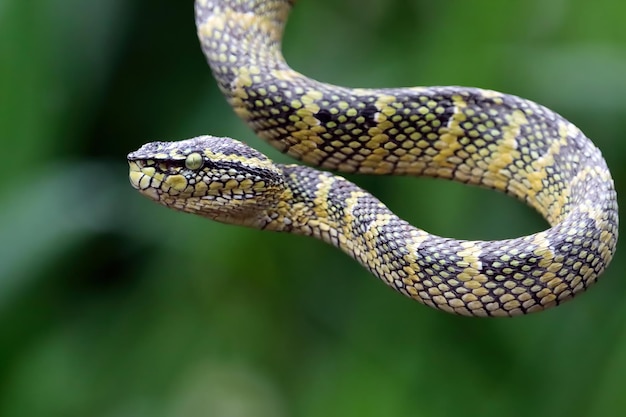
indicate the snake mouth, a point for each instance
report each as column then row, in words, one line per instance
column 142, row 179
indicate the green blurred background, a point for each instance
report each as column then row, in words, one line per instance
column 113, row 306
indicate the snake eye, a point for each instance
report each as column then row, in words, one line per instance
column 194, row 161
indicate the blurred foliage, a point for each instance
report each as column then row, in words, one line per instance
column 113, row 306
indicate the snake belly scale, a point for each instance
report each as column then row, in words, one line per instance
column 469, row 135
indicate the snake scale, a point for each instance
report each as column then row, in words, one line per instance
column 469, row 135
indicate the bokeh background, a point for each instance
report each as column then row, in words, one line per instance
column 113, row 306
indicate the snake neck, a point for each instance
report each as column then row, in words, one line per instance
column 325, row 206
column 309, row 202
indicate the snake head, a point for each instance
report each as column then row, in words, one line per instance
column 219, row 178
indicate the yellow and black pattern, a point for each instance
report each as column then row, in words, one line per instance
column 469, row 135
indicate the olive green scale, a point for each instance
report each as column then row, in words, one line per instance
column 469, row 135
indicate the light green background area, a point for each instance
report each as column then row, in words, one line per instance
column 112, row 306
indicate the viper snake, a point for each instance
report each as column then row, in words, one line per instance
column 469, row 135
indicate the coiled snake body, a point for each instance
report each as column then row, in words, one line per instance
column 469, row 135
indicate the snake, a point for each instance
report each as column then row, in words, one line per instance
column 470, row 135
